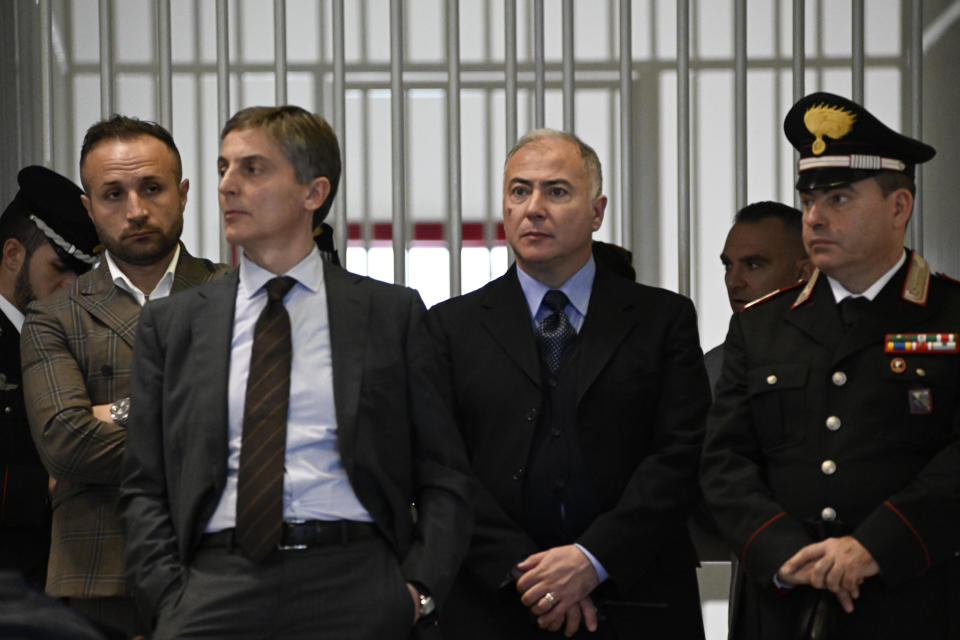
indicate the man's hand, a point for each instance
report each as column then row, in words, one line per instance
column 566, row 574
column 102, row 412
column 416, row 602
column 838, row 564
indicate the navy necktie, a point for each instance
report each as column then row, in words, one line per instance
column 555, row 332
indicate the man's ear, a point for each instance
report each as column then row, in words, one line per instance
column 14, row 255
column 902, row 207
column 317, row 193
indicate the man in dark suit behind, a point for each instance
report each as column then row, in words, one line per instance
column 286, row 512
column 832, row 453
column 583, row 422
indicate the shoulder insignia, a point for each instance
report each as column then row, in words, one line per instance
column 916, row 286
column 943, row 276
column 807, row 290
column 771, row 295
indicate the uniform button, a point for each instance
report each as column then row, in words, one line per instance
column 8, row 410
column 839, row 378
column 829, row 514
column 555, row 433
column 518, row 474
column 552, row 382
column 833, row 423
column 829, row 467
column 921, row 372
column 771, row 379
column 532, row 415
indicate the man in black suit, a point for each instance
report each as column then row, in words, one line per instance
column 284, row 421
column 46, row 241
column 833, row 448
column 581, row 397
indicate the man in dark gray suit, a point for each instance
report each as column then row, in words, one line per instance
column 285, row 422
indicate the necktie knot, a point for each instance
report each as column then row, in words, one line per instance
column 555, row 300
column 278, row 287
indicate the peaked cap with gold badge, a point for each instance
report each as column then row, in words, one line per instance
column 841, row 142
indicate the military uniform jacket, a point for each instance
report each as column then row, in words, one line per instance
column 77, row 346
column 817, row 432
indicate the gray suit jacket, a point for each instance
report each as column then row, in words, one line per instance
column 396, row 439
column 77, row 345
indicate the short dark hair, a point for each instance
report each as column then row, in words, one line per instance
column 17, row 225
column 755, row 212
column 306, row 139
column 890, row 181
column 119, row 127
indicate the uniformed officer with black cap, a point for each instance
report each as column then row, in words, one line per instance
column 832, row 457
column 47, row 240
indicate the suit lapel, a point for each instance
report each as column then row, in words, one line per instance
column 348, row 311
column 115, row 308
column 506, row 317
column 610, row 316
column 189, row 272
column 212, row 334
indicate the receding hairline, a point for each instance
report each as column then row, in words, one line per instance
column 128, row 137
column 588, row 156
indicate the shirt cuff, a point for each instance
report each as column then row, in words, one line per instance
column 601, row 572
column 781, row 584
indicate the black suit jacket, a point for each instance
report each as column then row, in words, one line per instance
column 895, row 484
column 396, row 440
column 641, row 398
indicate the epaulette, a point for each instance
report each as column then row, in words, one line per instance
column 807, row 290
column 916, row 286
column 771, row 295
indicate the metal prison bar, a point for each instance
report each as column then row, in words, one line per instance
column 453, row 97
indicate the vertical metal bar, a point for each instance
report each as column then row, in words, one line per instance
column 340, row 126
column 626, row 126
column 683, row 145
column 106, row 59
column 397, row 147
column 46, row 83
column 223, row 97
column 568, row 69
column 280, row 50
column 455, row 223
column 857, row 46
column 740, row 101
column 799, row 33
column 164, row 61
column 916, row 112
column 510, row 69
column 539, row 67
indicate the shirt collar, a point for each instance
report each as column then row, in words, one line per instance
column 308, row 272
column 840, row 292
column 13, row 314
column 577, row 288
column 162, row 287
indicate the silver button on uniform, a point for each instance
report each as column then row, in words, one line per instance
column 833, row 423
column 829, row 467
column 771, row 379
column 839, row 378
column 829, row 514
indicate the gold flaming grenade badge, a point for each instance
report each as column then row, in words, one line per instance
column 824, row 120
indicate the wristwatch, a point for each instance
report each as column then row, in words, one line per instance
column 427, row 606
column 120, row 411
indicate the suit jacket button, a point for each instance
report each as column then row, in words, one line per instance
column 518, row 474
column 552, row 381
column 532, row 415
column 828, row 467
column 555, row 432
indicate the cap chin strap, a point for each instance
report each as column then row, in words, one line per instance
column 61, row 242
column 869, row 163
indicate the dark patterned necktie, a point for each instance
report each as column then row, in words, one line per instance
column 263, row 445
column 852, row 309
column 555, row 332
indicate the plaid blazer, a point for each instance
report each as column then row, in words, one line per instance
column 77, row 347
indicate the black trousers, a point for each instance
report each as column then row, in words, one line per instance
column 340, row 592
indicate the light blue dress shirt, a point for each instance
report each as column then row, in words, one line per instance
column 315, row 484
column 577, row 289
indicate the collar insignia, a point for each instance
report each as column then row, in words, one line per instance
column 807, row 290
column 824, row 120
column 917, row 284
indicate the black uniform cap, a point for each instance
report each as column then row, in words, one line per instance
column 52, row 202
column 841, row 142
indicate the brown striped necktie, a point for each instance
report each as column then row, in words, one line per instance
column 263, row 445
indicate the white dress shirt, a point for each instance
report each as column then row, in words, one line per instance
column 162, row 290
